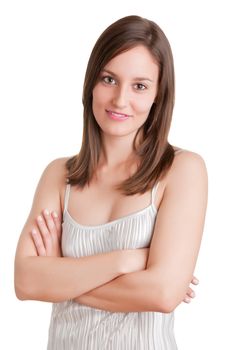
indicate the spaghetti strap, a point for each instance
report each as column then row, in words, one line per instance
column 66, row 197
column 153, row 192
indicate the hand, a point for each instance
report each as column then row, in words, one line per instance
column 190, row 293
column 47, row 235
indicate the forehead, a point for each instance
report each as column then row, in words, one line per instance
column 137, row 61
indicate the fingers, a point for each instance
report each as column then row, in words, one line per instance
column 189, row 295
column 57, row 222
column 45, row 234
column 51, row 225
column 39, row 244
column 54, row 224
column 195, row 280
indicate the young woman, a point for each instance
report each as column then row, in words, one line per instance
column 132, row 206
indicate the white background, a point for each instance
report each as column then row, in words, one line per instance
column 44, row 47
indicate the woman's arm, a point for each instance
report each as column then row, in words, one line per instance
column 112, row 295
column 136, row 291
column 57, row 278
column 173, row 251
column 125, row 294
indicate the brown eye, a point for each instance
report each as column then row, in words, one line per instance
column 140, row 87
column 108, row 80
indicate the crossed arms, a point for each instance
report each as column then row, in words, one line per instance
column 156, row 279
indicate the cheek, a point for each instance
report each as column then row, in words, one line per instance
column 97, row 100
column 96, row 96
column 99, row 103
column 100, row 95
column 143, row 104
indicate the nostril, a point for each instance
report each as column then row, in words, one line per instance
column 120, row 102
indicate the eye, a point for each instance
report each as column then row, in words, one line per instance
column 140, row 87
column 108, row 80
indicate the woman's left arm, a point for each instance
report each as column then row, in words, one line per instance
column 173, row 251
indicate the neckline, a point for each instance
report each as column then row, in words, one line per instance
column 112, row 222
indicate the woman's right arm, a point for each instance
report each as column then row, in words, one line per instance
column 56, row 279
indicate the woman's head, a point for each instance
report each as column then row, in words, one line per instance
column 130, row 35
column 119, row 37
column 127, row 86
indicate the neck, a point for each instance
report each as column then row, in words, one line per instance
column 117, row 151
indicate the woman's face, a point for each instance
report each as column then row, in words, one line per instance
column 125, row 92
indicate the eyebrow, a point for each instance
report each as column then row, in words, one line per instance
column 137, row 78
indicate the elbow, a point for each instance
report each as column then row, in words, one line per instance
column 165, row 302
column 22, row 285
column 20, row 294
column 165, row 295
column 22, row 290
column 168, row 304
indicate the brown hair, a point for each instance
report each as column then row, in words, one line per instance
column 154, row 151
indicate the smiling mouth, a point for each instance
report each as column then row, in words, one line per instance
column 118, row 115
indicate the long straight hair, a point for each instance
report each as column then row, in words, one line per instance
column 154, row 152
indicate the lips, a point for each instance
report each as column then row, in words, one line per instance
column 118, row 115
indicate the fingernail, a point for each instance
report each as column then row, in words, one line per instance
column 33, row 231
column 46, row 212
column 39, row 218
column 196, row 281
column 192, row 294
column 55, row 214
column 187, row 300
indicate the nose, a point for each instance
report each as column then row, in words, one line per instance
column 120, row 98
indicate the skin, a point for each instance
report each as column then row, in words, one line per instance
column 119, row 90
column 47, row 238
column 182, row 197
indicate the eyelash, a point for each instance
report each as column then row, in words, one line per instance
column 104, row 77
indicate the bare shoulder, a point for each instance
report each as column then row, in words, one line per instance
column 57, row 169
column 188, row 159
column 55, row 173
column 50, row 190
column 188, row 170
column 187, row 164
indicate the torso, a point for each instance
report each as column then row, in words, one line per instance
column 100, row 203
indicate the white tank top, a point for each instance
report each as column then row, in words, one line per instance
column 80, row 327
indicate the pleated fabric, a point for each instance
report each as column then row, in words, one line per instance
column 78, row 327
